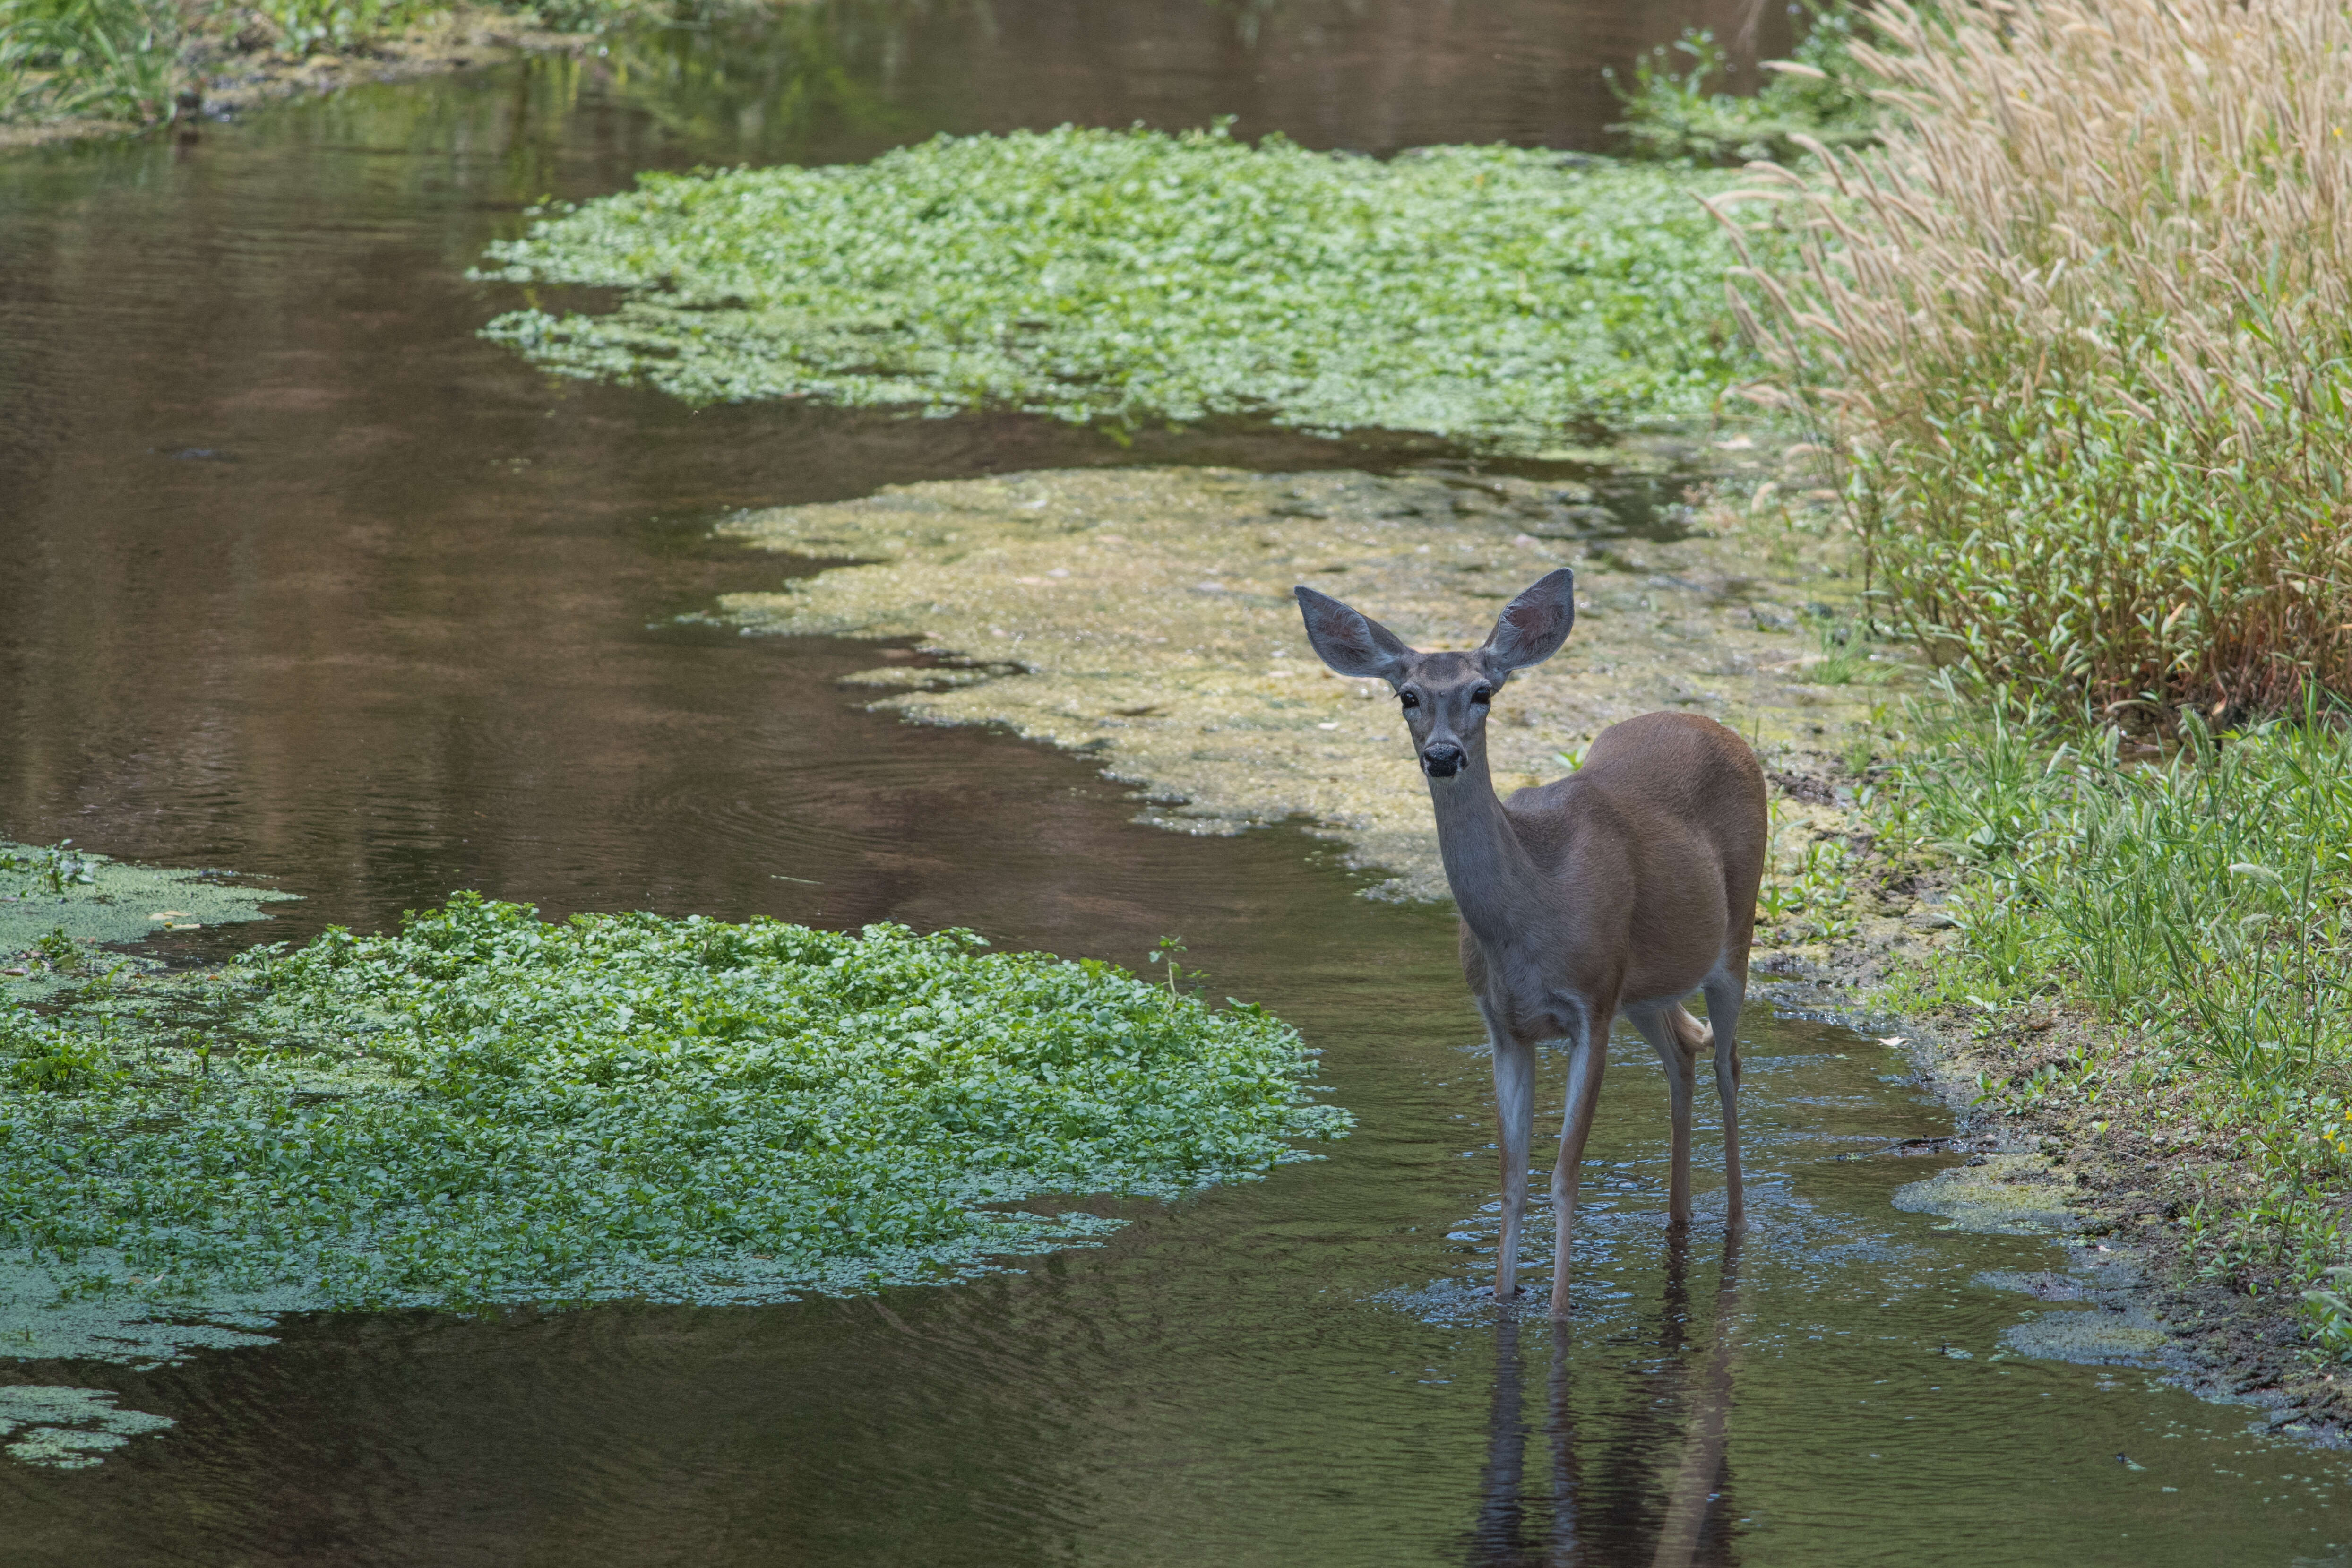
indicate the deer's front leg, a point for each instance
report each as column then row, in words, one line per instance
column 1515, row 1109
column 1590, row 1054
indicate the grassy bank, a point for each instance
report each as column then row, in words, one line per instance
column 2161, row 942
column 1496, row 297
column 83, row 66
column 487, row 1107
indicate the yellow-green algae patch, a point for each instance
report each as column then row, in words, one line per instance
column 1145, row 616
column 2008, row 1194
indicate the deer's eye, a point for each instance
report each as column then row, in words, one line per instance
column 1408, row 699
column 1482, row 697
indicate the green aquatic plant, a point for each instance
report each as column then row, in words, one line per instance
column 1821, row 93
column 1491, row 295
column 489, row 1108
column 51, row 869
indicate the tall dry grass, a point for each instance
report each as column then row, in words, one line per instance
column 2084, row 322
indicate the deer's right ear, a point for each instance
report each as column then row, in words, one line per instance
column 1350, row 641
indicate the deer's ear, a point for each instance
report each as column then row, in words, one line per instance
column 1531, row 626
column 1351, row 642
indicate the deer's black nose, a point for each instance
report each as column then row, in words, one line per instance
column 1443, row 759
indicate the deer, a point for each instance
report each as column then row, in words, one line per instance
column 1620, row 889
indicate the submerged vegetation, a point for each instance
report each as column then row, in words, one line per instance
column 1143, row 617
column 1494, row 296
column 487, row 1108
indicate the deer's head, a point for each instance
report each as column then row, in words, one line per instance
column 1444, row 695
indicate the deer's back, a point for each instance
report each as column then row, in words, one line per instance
column 1655, row 848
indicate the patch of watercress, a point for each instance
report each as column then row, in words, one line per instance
column 489, row 1108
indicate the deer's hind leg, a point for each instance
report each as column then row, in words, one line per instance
column 1725, row 994
column 1677, row 1037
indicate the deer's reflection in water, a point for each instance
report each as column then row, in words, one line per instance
column 1646, row 1483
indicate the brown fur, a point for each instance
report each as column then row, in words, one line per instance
column 1620, row 889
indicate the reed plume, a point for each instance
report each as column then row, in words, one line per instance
column 2081, row 324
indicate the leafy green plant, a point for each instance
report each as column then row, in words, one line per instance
column 1170, row 948
column 486, row 1107
column 58, row 951
column 1807, row 893
column 2327, row 1316
column 1821, row 93
column 52, row 870
column 306, row 26
column 38, row 1055
column 1491, row 295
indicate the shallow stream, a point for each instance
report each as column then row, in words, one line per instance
column 297, row 576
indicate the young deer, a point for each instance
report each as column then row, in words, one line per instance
column 1620, row 889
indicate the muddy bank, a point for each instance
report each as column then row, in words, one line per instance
column 1144, row 617
column 229, row 66
column 2118, row 1185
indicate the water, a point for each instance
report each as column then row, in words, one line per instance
column 297, row 576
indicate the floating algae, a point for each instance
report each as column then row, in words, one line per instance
column 68, row 1428
column 489, row 1109
column 2006, row 1195
column 1493, row 296
column 59, row 903
column 1145, row 616
column 95, row 1309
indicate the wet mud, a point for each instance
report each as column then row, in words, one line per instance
column 2114, row 1193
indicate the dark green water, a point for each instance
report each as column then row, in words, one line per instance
column 297, row 575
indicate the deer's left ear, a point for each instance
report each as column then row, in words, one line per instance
column 1531, row 626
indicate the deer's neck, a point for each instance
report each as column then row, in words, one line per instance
column 1485, row 865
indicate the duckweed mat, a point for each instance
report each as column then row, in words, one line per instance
column 1494, row 296
column 59, row 905
column 68, row 1428
column 1145, row 616
column 488, row 1109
